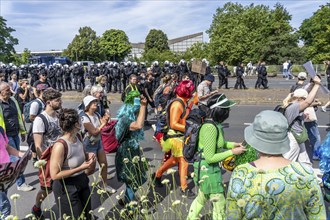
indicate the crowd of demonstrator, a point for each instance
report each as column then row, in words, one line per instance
column 280, row 184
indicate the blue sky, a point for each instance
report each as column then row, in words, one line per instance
column 49, row 24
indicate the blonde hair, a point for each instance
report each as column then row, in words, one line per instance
column 99, row 78
column 289, row 99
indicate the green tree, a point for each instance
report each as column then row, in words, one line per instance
column 84, row 46
column 7, row 42
column 154, row 54
column 315, row 33
column 250, row 33
column 199, row 50
column 26, row 55
column 156, row 39
column 115, row 45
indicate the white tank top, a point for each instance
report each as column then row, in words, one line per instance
column 75, row 157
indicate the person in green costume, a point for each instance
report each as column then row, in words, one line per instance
column 131, row 166
column 214, row 149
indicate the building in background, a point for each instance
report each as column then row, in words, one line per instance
column 178, row 45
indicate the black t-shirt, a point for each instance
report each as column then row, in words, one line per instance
column 148, row 87
column 20, row 101
column 10, row 113
column 39, row 82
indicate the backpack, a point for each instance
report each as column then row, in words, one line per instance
column 26, row 110
column 163, row 99
column 44, row 172
column 108, row 135
column 194, row 122
column 299, row 138
column 296, row 86
column 163, row 119
column 83, row 113
column 30, row 139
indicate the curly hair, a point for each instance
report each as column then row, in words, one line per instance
column 68, row 119
column 51, row 94
column 185, row 89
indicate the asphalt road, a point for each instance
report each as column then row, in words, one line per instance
column 240, row 117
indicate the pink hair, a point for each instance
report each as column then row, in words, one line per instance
column 185, row 89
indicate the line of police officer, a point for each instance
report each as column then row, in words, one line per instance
column 61, row 77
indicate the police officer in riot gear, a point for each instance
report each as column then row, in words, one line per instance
column 222, row 75
column 136, row 69
column 110, row 77
column 166, row 68
column 182, row 69
column 59, row 77
column 116, row 78
column 239, row 77
column 51, row 76
column 93, row 73
column 67, row 77
column 128, row 72
column 143, row 68
column 262, row 76
column 81, row 78
column 156, row 73
column 75, row 73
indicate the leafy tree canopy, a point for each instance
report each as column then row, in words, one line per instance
column 154, row 54
column 115, row 45
column 84, row 46
column 251, row 33
column 156, row 39
column 7, row 41
column 198, row 51
column 315, row 33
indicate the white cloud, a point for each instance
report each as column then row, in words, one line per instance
column 44, row 25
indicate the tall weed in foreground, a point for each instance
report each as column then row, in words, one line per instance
column 150, row 202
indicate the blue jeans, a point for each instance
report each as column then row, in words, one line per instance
column 313, row 135
column 14, row 141
column 285, row 73
column 5, row 207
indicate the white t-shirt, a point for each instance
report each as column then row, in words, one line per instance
column 53, row 132
column 93, row 119
column 34, row 107
column 285, row 65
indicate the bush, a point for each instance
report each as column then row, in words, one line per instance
column 272, row 70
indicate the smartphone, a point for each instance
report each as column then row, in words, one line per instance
column 244, row 143
column 137, row 101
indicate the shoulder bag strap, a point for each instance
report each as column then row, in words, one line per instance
column 65, row 145
column 45, row 121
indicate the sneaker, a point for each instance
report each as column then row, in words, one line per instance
column 25, row 187
column 324, row 109
column 189, row 193
column 37, row 212
column 111, row 190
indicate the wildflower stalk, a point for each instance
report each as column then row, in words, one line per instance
column 47, row 192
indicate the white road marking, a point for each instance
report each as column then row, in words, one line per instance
column 320, row 126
